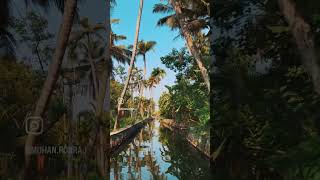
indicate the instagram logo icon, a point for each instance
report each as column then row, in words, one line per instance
column 34, row 125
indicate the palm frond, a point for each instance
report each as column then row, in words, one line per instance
column 115, row 21
column 121, row 54
column 197, row 25
column 162, row 8
column 170, row 21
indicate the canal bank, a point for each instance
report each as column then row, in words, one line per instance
column 119, row 138
column 201, row 143
column 158, row 153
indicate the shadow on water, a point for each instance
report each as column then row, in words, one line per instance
column 158, row 153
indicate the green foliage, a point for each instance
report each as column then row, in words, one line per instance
column 165, row 105
column 19, row 88
column 186, row 100
column 263, row 100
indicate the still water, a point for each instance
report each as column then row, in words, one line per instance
column 157, row 153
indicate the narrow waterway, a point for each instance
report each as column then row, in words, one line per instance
column 157, row 153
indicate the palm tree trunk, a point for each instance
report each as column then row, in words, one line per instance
column 140, row 98
column 103, row 121
column 103, row 107
column 53, row 74
column 116, row 125
column 101, row 151
column 145, row 67
column 189, row 40
column 144, row 70
column 94, row 77
column 301, row 32
column 93, row 69
column 70, row 131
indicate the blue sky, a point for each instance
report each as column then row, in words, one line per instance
column 127, row 12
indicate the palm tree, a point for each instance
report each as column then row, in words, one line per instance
column 143, row 48
column 88, row 40
column 53, row 74
column 104, row 134
column 157, row 75
column 189, row 21
column 116, row 125
column 84, row 40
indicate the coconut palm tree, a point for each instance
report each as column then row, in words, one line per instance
column 84, row 43
column 53, row 74
column 143, row 48
column 189, row 17
column 116, row 125
column 103, row 153
column 157, row 75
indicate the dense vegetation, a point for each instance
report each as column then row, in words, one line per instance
column 187, row 100
column 264, row 103
column 264, row 92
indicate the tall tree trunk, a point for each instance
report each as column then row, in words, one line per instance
column 189, row 41
column 53, row 74
column 107, row 136
column 94, row 77
column 116, row 125
column 144, row 70
column 103, row 109
column 144, row 67
column 301, row 32
column 140, row 98
column 70, row 131
column 93, row 69
column 102, row 122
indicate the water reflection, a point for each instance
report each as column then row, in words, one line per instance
column 156, row 153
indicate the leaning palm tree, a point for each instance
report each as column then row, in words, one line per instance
column 53, row 74
column 189, row 17
column 134, row 51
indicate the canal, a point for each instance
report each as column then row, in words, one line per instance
column 157, row 153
